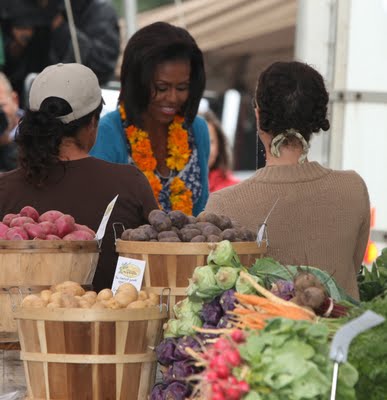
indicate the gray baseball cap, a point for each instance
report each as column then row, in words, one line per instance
column 75, row 83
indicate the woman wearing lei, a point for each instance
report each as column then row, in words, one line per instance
column 156, row 126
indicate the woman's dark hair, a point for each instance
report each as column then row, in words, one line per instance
column 292, row 95
column 222, row 161
column 149, row 47
column 40, row 134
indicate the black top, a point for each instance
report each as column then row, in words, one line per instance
column 83, row 188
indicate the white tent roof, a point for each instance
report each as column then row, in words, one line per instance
column 238, row 37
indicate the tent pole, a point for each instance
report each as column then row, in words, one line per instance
column 130, row 17
column 73, row 32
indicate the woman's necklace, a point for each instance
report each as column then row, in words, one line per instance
column 178, row 156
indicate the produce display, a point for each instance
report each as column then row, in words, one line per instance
column 70, row 294
column 51, row 225
column 264, row 333
column 175, row 226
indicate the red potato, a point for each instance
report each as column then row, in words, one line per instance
column 65, row 225
column 85, row 228
column 79, row 235
column 20, row 221
column 16, row 233
column 3, row 229
column 29, row 211
column 53, row 237
column 51, row 216
column 34, row 231
column 9, row 217
column 49, row 228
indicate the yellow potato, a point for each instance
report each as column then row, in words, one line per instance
column 33, row 301
column 91, row 293
column 142, row 295
column 98, row 305
column 70, row 287
column 154, row 299
column 56, row 297
column 84, row 304
column 46, row 294
column 137, row 304
column 125, row 297
column 90, row 299
column 69, row 301
column 105, row 294
column 113, row 304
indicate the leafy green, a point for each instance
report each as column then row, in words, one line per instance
column 226, row 277
column 373, row 281
column 224, row 255
column 244, row 287
column 368, row 354
column 289, row 360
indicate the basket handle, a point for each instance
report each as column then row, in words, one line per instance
column 115, row 225
column 165, row 292
column 19, row 294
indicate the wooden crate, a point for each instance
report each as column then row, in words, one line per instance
column 29, row 266
column 84, row 354
column 172, row 264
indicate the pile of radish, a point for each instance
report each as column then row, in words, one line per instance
column 51, row 225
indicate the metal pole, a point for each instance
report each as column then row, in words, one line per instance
column 73, row 32
column 130, row 17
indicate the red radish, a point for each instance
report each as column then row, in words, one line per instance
column 16, row 233
column 34, row 231
column 51, row 216
column 3, row 229
column 79, row 235
column 53, row 237
column 65, row 225
column 20, row 221
column 29, row 211
column 49, row 228
column 238, row 336
column 85, row 228
column 9, row 217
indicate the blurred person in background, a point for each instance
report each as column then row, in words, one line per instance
column 321, row 217
column 156, row 126
column 219, row 163
column 36, row 33
column 10, row 115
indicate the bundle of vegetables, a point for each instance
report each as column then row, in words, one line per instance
column 368, row 353
column 51, row 225
column 306, row 286
column 286, row 360
column 373, row 281
column 176, row 367
column 175, row 226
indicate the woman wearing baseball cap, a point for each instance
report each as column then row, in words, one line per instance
column 56, row 172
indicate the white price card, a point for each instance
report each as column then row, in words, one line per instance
column 128, row 270
column 102, row 226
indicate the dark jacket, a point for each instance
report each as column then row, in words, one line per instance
column 97, row 31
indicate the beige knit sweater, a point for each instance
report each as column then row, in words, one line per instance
column 322, row 218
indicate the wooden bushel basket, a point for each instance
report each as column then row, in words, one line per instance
column 84, row 354
column 172, row 264
column 28, row 266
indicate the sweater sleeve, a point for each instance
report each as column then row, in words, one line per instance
column 364, row 232
column 202, row 140
column 110, row 144
column 215, row 204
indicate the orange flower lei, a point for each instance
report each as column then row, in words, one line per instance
column 178, row 157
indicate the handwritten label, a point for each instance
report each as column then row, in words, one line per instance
column 102, row 226
column 128, row 270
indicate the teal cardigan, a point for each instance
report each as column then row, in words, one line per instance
column 111, row 145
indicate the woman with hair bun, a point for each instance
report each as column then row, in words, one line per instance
column 156, row 126
column 321, row 216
